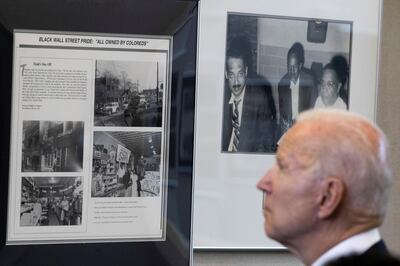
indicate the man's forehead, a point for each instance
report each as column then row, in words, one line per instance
column 295, row 143
column 235, row 61
column 329, row 73
column 287, row 150
column 293, row 57
column 292, row 158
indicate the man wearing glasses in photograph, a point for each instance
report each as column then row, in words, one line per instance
column 326, row 195
column 249, row 123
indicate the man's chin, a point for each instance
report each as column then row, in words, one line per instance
column 237, row 93
column 269, row 232
column 268, row 229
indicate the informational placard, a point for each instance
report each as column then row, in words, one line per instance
column 89, row 138
column 261, row 63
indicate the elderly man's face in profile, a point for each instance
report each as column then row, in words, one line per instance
column 329, row 87
column 236, row 74
column 290, row 190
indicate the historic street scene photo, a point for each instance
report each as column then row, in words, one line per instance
column 52, row 146
column 129, row 93
column 126, row 164
column 51, row 201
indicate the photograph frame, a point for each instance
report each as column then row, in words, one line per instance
column 225, row 183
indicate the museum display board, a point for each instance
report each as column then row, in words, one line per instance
column 115, row 134
column 97, row 116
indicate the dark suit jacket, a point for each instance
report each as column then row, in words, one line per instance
column 258, row 124
column 307, row 95
column 378, row 247
column 377, row 254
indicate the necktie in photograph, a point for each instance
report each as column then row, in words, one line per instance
column 235, row 125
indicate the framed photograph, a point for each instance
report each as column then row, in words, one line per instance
column 261, row 63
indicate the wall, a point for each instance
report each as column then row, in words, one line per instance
column 388, row 109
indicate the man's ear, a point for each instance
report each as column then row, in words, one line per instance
column 332, row 194
column 247, row 68
column 226, row 75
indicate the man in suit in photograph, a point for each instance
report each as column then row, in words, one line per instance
column 297, row 89
column 249, row 123
column 326, row 195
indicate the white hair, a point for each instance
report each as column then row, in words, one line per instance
column 349, row 146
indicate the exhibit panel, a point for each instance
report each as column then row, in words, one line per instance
column 119, row 89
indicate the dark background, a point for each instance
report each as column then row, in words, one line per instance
column 149, row 17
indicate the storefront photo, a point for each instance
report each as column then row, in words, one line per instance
column 126, row 164
column 51, row 201
column 52, row 146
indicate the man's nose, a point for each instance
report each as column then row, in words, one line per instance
column 236, row 80
column 264, row 183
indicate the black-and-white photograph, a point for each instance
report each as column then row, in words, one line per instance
column 275, row 68
column 129, row 93
column 51, row 201
column 52, row 146
column 126, row 164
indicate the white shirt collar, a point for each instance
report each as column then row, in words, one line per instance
column 356, row 244
column 295, row 83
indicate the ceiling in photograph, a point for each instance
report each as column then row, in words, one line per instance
column 56, row 182
column 139, row 142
